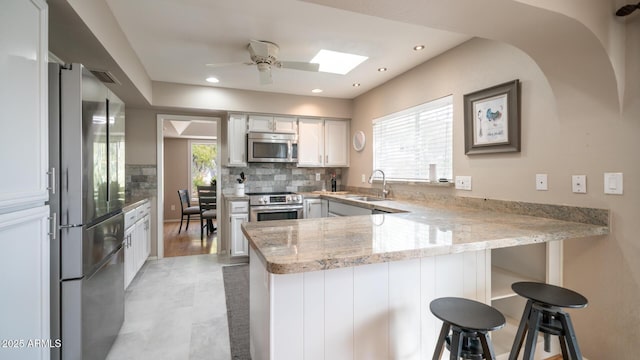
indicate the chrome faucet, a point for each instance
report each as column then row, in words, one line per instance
column 384, row 181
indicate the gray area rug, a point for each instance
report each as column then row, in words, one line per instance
column 236, row 291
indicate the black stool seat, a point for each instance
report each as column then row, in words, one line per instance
column 550, row 294
column 469, row 321
column 543, row 314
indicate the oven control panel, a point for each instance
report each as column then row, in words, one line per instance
column 276, row 199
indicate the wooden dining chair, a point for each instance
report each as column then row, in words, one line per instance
column 186, row 208
column 208, row 209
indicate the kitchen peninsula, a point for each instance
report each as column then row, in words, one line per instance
column 359, row 287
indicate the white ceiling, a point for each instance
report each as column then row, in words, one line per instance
column 175, row 39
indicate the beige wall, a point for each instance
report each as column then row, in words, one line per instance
column 606, row 269
column 176, row 175
column 140, row 136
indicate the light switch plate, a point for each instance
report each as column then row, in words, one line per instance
column 613, row 183
column 463, row 182
column 317, row 176
column 541, row 182
column 579, row 184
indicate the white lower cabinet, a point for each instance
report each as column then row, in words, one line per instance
column 129, row 256
column 315, row 208
column 238, row 213
column 137, row 240
column 24, row 305
column 376, row 311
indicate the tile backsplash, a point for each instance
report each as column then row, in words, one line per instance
column 141, row 182
column 270, row 177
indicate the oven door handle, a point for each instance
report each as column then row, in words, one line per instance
column 279, row 208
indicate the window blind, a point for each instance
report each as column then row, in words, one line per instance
column 406, row 142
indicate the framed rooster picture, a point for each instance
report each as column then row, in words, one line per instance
column 492, row 119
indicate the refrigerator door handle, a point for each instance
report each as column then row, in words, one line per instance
column 69, row 226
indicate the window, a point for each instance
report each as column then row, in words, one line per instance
column 406, row 142
column 203, row 164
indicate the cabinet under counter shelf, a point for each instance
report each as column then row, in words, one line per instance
column 501, row 280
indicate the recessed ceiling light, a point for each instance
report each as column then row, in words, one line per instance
column 213, row 80
column 418, row 47
column 316, row 91
column 337, row 62
column 382, row 69
column 356, row 84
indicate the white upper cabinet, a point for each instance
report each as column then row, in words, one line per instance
column 336, row 143
column 23, row 104
column 260, row 123
column 323, row 143
column 283, row 124
column 311, row 142
column 235, row 146
column 279, row 124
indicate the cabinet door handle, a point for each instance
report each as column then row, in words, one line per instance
column 326, row 159
column 52, row 180
column 53, row 226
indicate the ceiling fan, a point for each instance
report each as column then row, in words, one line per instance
column 627, row 9
column 264, row 54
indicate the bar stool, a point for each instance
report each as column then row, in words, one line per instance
column 543, row 313
column 469, row 322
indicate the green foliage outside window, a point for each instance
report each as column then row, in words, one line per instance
column 203, row 164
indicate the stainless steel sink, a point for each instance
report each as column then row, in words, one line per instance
column 363, row 198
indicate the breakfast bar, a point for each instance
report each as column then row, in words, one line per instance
column 359, row 287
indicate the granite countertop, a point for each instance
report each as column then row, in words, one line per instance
column 133, row 203
column 293, row 246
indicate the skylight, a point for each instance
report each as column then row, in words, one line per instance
column 337, row 62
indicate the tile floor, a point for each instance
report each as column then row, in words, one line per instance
column 175, row 309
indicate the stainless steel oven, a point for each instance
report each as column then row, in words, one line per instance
column 272, row 147
column 275, row 206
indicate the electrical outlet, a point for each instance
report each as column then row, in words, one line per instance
column 317, row 176
column 541, row 182
column 173, row 208
column 364, row 178
column 579, row 184
column 463, row 182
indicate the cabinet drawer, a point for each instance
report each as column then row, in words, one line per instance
column 237, row 207
column 130, row 218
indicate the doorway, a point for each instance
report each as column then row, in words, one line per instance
column 187, row 156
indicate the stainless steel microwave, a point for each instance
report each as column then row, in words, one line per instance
column 272, row 147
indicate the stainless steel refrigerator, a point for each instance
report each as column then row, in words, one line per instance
column 87, row 256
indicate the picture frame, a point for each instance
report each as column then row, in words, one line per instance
column 492, row 119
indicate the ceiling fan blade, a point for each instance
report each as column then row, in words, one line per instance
column 265, row 77
column 298, row 65
column 627, row 9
